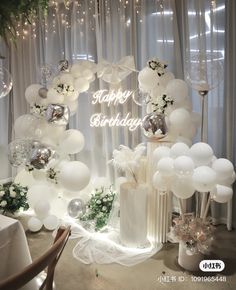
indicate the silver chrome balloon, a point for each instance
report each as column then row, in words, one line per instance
column 76, row 207
column 154, row 126
column 57, row 114
column 40, row 156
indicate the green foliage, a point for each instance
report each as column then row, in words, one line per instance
column 99, row 207
column 12, row 11
column 13, row 197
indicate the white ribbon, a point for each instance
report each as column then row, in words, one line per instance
column 114, row 73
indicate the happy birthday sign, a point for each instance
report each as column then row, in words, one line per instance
column 114, row 98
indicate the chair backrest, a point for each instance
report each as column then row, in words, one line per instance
column 47, row 260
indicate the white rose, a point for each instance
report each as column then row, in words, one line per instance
column 2, row 192
column 3, row 203
column 12, row 192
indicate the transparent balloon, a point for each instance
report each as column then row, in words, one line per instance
column 5, row 82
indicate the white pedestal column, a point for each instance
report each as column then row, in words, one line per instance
column 133, row 214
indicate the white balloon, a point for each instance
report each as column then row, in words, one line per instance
column 179, row 149
column 40, row 191
column 228, row 181
column 157, row 91
column 23, row 126
column 166, row 166
column 66, row 78
column 50, row 222
column 179, row 117
column 160, row 152
column 204, row 178
column 159, row 182
column 223, row 168
column 54, row 132
column 81, row 84
column 59, row 207
column 166, row 78
column 76, row 70
column 178, row 89
column 24, row 178
column 34, row 224
column 222, row 193
column 72, row 141
column 74, row 175
column 182, row 187
column 53, row 97
column 201, row 153
column 39, row 174
column 87, row 73
column 31, row 93
column 148, row 78
column 183, row 165
column 42, row 208
column 184, row 140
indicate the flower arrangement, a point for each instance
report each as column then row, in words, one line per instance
column 99, row 207
column 161, row 103
column 157, row 65
column 196, row 233
column 38, row 110
column 13, row 197
column 128, row 160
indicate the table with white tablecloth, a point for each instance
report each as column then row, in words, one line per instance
column 14, row 250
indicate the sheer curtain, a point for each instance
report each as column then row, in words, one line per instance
column 110, row 30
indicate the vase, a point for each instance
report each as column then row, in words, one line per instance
column 189, row 261
column 133, row 214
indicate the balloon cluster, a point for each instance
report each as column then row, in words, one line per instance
column 167, row 96
column 184, row 170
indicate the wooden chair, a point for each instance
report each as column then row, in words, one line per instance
column 47, row 260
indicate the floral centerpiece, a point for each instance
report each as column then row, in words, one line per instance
column 13, row 197
column 99, row 207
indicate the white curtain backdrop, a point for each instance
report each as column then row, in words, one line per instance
column 105, row 29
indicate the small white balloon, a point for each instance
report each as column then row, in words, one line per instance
column 88, row 74
column 228, row 181
column 204, row 179
column 76, row 70
column 160, row 152
column 53, row 97
column 24, row 178
column 40, row 191
column 159, row 182
column 223, row 168
column 50, row 222
column 74, row 175
column 72, row 141
column 42, row 208
column 183, row 165
column 23, row 126
column 166, row 78
column 34, row 224
column 166, row 166
column 178, row 89
column 201, row 153
column 222, row 193
column 182, row 187
column 31, row 93
column 81, row 84
column 179, row 118
column 148, row 78
column 179, row 149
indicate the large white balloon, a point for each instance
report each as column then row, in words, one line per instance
column 183, row 165
column 179, row 118
column 182, row 187
column 166, row 166
column 50, row 222
column 179, row 149
column 201, row 153
column 31, row 93
column 23, row 126
column 24, row 178
column 34, row 224
column 76, row 70
column 81, row 84
column 160, row 152
column 223, row 168
column 74, row 175
column 42, row 208
column 222, row 193
column 159, row 182
column 72, row 141
column 178, row 89
column 148, row 78
column 40, row 191
column 204, row 178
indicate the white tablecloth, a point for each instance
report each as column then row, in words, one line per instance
column 14, row 250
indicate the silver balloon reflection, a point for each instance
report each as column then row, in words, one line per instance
column 154, row 126
column 57, row 114
column 76, row 207
column 40, row 156
column 43, row 93
column 19, row 151
column 63, row 65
